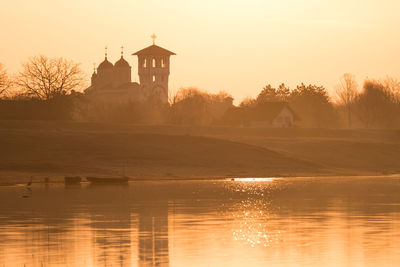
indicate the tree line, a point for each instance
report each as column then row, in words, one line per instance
column 50, row 89
column 45, row 89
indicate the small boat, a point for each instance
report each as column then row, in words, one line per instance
column 107, row 180
column 72, row 179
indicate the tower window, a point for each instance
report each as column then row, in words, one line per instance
column 162, row 63
column 145, row 63
column 154, row 78
column 154, row 62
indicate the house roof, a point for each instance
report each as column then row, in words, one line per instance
column 153, row 50
column 267, row 111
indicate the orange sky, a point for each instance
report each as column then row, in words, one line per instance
column 236, row 46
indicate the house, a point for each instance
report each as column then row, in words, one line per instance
column 268, row 115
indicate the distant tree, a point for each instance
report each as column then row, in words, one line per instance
column 25, row 108
column 248, row 101
column 5, row 82
column 46, row 78
column 217, row 105
column 283, row 92
column 313, row 106
column 267, row 94
column 376, row 106
column 154, row 110
column 346, row 93
column 192, row 106
column 270, row 94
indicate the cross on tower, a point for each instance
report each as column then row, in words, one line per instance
column 122, row 51
column 106, row 52
column 154, row 38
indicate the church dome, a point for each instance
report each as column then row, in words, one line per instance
column 122, row 63
column 105, row 65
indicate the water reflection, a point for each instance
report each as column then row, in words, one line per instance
column 153, row 234
column 274, row 222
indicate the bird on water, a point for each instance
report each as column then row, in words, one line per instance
column 30, row 182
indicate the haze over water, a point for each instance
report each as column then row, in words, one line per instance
column 267, row 222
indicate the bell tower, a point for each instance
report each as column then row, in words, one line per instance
column 153, row 70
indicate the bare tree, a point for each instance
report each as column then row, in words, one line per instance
column 172, row 96
column 393, row 86
column 5, row 82
column 46, row 78
column 346, row 92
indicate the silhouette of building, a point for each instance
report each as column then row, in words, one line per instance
column 153, row 69
column 269, row 115
column 113, row 83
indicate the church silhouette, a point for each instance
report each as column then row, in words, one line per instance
column 113, row 83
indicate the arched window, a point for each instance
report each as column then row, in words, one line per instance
column 162, row 63
column 144, row 63
column 154, row 78
column 154, row 62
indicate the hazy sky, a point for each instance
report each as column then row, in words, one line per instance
column 236, row 46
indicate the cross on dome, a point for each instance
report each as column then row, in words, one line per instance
column 154, row 37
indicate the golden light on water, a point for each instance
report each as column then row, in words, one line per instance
column 204, row 223
column 269, row 179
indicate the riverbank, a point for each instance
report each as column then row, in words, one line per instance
column 56, row 149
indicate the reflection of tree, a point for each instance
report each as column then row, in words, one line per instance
column 153, row 234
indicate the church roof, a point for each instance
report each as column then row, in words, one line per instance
column 154, row 50
column 122, row 63
column 105, row 65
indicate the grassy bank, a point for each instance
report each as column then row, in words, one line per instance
column 65, row 148
column 82, row 149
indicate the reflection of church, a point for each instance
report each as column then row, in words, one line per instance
column 115, row 221
column 112, row 83
column 153, row 234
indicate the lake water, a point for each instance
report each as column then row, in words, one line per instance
column 262, row 222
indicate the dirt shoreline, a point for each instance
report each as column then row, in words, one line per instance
column 60, row 180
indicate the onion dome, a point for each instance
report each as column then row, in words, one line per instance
column 105, row 65
column 122, row 63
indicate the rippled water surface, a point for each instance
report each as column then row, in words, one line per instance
column 260, row 222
